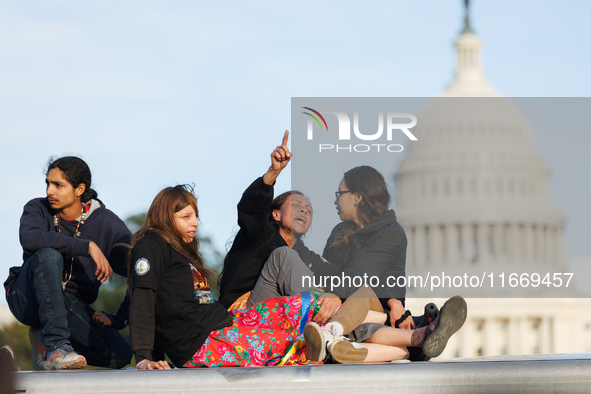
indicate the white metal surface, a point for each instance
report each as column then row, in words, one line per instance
column 531, row 374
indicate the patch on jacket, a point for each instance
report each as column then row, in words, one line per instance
column 142, row 266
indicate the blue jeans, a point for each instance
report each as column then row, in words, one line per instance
column 37, row 299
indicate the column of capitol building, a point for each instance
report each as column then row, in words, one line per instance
column 472, row 194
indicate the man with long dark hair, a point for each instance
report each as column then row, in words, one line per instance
column 71, row 244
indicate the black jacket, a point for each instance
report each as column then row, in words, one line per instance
column 378, row 249
column 163, row 309
column 252, row 245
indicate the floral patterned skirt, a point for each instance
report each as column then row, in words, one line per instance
column 268, row 333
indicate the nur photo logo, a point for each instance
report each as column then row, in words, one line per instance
column 392, row 121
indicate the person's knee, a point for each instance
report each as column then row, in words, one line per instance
column 365, row 292
column 122, row 356
column 116, row 354
column 120, row 349
column 48, row 256
column 46, row 263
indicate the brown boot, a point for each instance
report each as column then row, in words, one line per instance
column 434, row 337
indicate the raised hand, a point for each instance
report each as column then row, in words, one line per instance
column 279, row 159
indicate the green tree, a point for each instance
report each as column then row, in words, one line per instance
column 134, row 222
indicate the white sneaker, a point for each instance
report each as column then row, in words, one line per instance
column 320, row 339
column 346, row 352
column 317, row 339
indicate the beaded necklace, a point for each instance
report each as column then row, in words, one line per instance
column 67, row 275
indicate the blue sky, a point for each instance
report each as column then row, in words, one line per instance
column 154, row 93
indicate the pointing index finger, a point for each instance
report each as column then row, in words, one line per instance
column 285, row 136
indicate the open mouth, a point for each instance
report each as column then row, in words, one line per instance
column 301, row 220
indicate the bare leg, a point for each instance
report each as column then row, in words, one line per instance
column 392, row 337
column 388, row 344
column 380, row 353
column 375, row 317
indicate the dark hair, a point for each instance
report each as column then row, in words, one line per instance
column 277, row 204
column 160, row 220
column 371, row 186
column 76, row 172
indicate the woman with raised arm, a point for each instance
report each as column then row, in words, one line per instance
column 262, row 265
